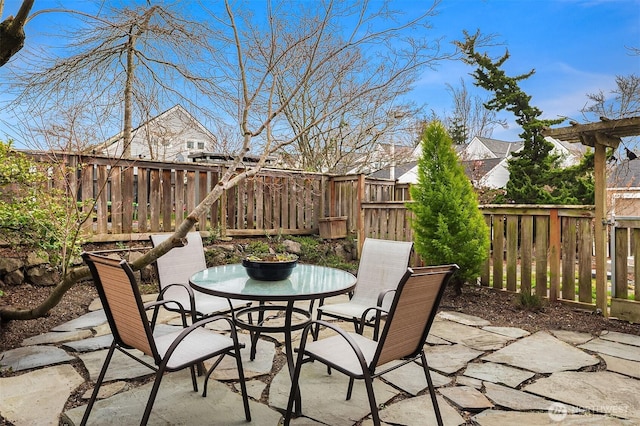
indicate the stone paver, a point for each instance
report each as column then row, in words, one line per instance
column 419, row 412
column 467, row 398
column 37, row 397
column 512, row 332
column 90, row 344
column 410, row 378
column 449, row 359
column 89, row 320
column 462, row 318
column 572, row 337
column 542, row 353
column 622, row 366
column 107, row 390
column 469, row 381
column 607, row 347
column 54, row 337
column 510, row 418
column 497, row 373
column 600, row 392
column 517, row 400
column 472, row 337
column 29, row 357
column 615, row 336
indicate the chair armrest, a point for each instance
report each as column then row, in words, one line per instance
column 190, row 293
column 187, row 288
column 363, row 318
column 155, row 305
column 384, row 294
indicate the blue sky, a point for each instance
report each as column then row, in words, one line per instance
column 575, row 46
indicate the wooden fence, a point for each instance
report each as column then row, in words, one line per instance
column 625, row 287
column 541, row 250
column 128, row 199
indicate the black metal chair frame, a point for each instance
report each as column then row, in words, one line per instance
column 147, row 341
column 383, row 354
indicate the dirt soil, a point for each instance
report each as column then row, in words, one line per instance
column 499, row 307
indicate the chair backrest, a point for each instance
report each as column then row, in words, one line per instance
column 412, row 312
column 122, row 303
column 382, row 265
column 178, row 265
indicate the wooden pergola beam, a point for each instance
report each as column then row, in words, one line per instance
column 601, row 135
column 609, row 130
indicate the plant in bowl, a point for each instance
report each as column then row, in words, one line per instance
column 270, row 266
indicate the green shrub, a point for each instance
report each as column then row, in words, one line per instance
column 448, row 226
column 257, row 247
column 34, row 216
column 531, row 302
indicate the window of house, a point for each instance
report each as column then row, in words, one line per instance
column 194, row 144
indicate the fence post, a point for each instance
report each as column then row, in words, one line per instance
column 554, row 254
column 359, row 200
column 600, row 178
column 332, row 197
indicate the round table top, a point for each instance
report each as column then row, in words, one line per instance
column 305, row 283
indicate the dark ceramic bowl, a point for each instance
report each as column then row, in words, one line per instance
column 263, row 270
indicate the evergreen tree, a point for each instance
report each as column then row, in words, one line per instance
column 535, row 173
column 448, row 226
column 458, row 131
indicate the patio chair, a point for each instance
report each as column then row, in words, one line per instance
column 403, row 337
column 174, row 270
column 131, row 329
column 382, row 264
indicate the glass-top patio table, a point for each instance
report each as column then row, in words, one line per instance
column 307, row 282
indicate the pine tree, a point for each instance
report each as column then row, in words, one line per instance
column 458, row 131
column 448, row 226
column 535, row 173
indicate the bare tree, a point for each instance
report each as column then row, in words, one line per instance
column 623, row 101
column 470, row 118
column 346, row 106
column 245, row 85
column 123, row 62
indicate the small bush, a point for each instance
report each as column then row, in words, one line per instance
column 257, row 247
column 530, row 302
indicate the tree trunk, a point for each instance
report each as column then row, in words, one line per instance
column 12, row 34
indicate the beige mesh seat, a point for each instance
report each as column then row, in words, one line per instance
column 382, row 264
column 131, row 329
column 174, row 270
column 403, row 337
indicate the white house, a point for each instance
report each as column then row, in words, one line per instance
column 485, row 161
column 171, row 136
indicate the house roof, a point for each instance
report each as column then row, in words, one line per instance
column 501, row 149
column 400, row 169
column 625, row 174
column 479, row 168
column 176, row 109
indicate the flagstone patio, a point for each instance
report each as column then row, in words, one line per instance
column 484, row 375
